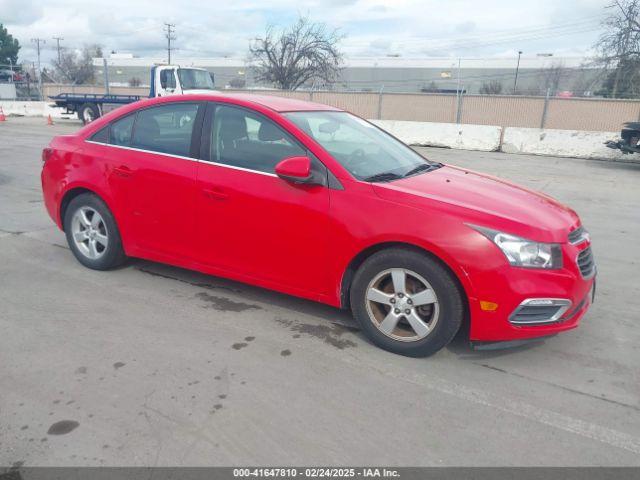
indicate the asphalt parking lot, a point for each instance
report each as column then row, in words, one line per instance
column 155, row 365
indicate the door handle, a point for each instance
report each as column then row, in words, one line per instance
column 215, row 194
column 123, row 171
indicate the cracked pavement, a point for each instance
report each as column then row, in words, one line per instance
column 155, row 365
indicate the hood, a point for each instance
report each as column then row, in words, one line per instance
column 485, row 200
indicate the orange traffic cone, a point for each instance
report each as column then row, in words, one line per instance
column 2, row 116
column 49, row 120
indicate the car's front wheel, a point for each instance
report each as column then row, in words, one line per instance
column 406, row 302
column 92, row 233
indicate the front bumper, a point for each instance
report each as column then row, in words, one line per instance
column 511, row 288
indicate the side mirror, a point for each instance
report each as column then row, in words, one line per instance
column 295, row 169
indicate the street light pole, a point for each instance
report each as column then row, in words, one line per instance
column 515, row 82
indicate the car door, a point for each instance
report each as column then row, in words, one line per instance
column 250, row 221
column 153, row 176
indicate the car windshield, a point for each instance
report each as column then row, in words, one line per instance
column 367, row 152
column 192, row 79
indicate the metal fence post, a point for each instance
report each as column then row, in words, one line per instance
column 459, row 106
column 543, row 120
column 379, row 114
column 106, row 75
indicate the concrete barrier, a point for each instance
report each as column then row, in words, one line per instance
column 32, row 109
column 448, row 135
column 561, row 143
column 533, row 141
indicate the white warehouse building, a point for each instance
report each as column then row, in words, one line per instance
column 391, row 74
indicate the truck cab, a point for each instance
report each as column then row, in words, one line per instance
column 176, row 80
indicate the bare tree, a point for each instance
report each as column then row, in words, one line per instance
column 237, row 82
column 492, row 87
column 304, row 53
column 77, row 66
column 431, row 88
column 619, row 48
column 552, row 76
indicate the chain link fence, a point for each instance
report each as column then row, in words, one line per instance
column 591, row 114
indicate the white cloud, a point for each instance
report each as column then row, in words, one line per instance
column 19, row 12
column 373, row 27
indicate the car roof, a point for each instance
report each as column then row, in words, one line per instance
column 280, row 104
column 272, row 102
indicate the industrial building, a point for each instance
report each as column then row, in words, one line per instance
column 535, row 74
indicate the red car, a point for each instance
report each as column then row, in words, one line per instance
column 315, row 202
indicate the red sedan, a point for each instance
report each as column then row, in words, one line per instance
column 313, row 201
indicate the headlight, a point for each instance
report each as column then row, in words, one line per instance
column 524, row 253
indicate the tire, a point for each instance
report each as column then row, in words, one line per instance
column 99, row 245
column 431, row 297
column 88, row 112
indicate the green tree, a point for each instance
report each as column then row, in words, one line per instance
column 9, row 47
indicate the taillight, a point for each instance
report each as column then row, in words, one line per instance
column 46, row 154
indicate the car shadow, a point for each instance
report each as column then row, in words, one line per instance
column 460, row 345
column 249, row 292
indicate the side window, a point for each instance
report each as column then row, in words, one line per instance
column 244, row 139
column 167, row 79
column 166, row 129
column 121, row 131
column 101, row 136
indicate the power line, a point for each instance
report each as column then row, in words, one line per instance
column 170, row 36
column 58, row 40
column 502, row 34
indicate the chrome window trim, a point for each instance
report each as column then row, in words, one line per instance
column 124, row 147
column 197, row 160
column 233, row 167
column 563, row 303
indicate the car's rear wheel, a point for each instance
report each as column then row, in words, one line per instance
column 92, row 233
column 406, row 302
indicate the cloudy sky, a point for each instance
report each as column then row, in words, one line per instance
column 411, row 28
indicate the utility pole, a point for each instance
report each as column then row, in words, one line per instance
column 38, row 41
column 170, row 36
column 515, row 82
column 58, row 40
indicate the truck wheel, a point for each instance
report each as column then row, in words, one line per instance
column 406, row 302
column 88, row 112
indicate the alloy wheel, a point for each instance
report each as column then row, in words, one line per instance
column 402, row 305
column 89, row 232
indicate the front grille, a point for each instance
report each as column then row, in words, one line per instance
column 586, row 263
column 578, row 235
column 539, row 311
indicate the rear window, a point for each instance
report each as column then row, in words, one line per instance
column 121, row 131
column 101, row 136
column 166, row 129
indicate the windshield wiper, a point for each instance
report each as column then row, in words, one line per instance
column 423, row 167
column 383, row 177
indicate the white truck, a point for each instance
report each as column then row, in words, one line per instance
column 165, row 80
